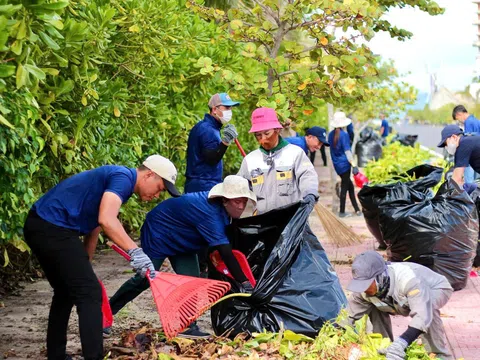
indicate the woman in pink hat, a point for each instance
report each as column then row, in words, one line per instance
column 280, row 173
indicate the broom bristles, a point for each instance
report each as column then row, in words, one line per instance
column 336, row 230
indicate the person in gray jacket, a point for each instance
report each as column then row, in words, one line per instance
column 281, row 173
column 380, row 289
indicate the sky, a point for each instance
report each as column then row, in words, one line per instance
column 441, row 44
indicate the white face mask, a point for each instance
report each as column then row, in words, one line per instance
column 451, row 148
column 227, row 116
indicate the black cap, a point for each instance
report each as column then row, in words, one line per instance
column 448, row 131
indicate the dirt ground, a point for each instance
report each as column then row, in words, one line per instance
column 24, row 315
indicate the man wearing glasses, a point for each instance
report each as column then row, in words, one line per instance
column 206, row 146
column 280, row 173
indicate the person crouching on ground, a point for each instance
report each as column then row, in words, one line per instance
column 381, row 289
column 281, row 174
column 178, row 228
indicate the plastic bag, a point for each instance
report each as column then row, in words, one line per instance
column 476, row 199
column 369, row 146
column 371, row 197
column 440, row 233
column 404, row 139
column 296, row 284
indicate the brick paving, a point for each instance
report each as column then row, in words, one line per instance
column 461, row 315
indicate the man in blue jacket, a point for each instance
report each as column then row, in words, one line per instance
column 384, row 127
column 471, row 125
column 83, row 205
column 314, row 139
column 206, row 146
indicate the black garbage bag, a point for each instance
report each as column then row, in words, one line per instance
column 440, row 233
column 476, row 199
column 371, row 197
column 369, row 146
column 296, row 284
column 405, row 139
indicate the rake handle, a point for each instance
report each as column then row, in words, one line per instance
column 240, row 148
column 119, row 250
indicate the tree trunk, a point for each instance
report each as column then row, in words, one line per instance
column 333, row 174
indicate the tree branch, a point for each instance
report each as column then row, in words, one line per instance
column 268, row 11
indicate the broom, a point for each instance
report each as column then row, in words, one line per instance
column 337, row 231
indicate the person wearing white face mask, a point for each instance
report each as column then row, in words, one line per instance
column 465, row 148
column 207, row 146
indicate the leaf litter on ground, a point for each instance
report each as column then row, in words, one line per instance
column 333, row 342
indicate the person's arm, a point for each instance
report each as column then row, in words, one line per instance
column 420, row 304
column 108, row 220
column 213, row 156
column 90, row 241
column 231, row 262
column 382, row 130
column 357, row 307
column 457, row 175
column 243, row 172
column 305, row 175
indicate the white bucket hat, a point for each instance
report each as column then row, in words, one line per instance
column 233, row 187
column 340, row 120
column 166, row 170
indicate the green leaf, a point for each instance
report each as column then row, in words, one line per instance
column 35, row 71
column 51, row 71
column 51, row 6
column 47, row 40
column 7, row 70
column 291, row 336
column 22, row 30
column 6, row 258
column 20, row 245
column 16, row 47
column 65, row 87
column 6, row 122
column 9, row 9
column 22, row 76
column 41, row 143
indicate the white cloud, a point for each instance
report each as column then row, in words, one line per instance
column 442, row 44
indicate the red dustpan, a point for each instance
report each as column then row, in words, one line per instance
column 218, row 263
column 106, row 310
column 180, row 300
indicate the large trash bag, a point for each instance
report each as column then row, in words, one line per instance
column 296, row 284
column 441, row 233
column 476, row 199
column 405, row 139
column 371, row 197
column 369, row 146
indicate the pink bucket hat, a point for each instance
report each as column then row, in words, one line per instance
column 264, row 119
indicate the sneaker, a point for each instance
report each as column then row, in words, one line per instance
column 344, row 214
column 358, row 213
column 107, row 332
column 194, row 332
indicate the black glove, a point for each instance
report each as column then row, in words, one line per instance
column 355, row 170
column 247, row 286
column 310, row 199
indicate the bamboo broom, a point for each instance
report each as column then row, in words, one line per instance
column 337, row 231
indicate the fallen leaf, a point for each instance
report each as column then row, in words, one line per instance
column 324, row 41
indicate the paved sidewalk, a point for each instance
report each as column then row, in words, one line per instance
column 461, row 316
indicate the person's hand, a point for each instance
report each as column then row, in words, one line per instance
column 247, row 286
column 229, row 134
column 396, row 351
column 310, row 199
column 141, row 263
column 355, row 170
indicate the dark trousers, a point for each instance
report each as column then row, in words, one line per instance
column 347, row 185
column 322, row 152
column 65, row 262
column 183, row 264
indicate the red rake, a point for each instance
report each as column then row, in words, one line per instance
column 180, row 300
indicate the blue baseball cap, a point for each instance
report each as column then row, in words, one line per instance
column 221, row 99
column 320, row 133
column 448, row 131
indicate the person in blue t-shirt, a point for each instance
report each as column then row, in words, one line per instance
column 178, row 228
column 384, row 128
column 314, row 139
column 466, row 148
column 206, row 147
column 470, row 125
column 342, row 159
column 83, row 205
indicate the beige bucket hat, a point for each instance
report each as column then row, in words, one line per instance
column 233, row 187
column 340, row 120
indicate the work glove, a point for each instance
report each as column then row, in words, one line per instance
column 396, row 351
column 355, row 170
column 310, row 199
column 469, row 187
column 247, row 286
column 229, row 134
column 141, row 262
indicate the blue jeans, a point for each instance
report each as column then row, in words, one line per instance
column 469, row 175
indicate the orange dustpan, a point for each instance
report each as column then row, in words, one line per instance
column 220, row 266
column 180, row 300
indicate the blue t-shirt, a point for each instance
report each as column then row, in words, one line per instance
column 201, row 176
column 339, row 159
column 472, row 125
column 386, row 127
column 468, row 153
column 75, row 202
column 299, row 141
column 184, row 225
